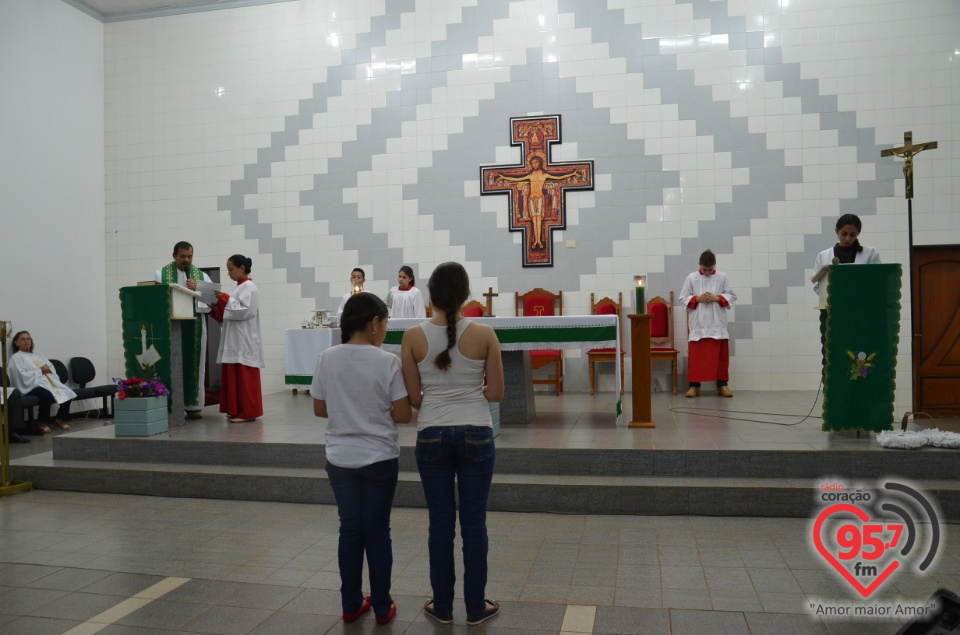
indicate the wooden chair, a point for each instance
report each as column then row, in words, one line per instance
column 474, row 309
column 662, row 345
column 606, row 306
column 540, row 302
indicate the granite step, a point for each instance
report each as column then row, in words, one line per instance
column 514, row 492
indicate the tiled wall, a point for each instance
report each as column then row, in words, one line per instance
column 51, row 179
column 316, row 136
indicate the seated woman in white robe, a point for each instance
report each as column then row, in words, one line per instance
column 33, row 374
column 405, row 300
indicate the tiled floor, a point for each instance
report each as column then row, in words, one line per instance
column 84, row 563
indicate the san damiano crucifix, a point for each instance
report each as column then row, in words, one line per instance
column 537, row 187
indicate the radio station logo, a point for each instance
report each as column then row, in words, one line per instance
column 868, row 535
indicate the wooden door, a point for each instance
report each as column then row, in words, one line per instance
column 937, row 320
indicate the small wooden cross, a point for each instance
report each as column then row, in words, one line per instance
column 907, row 151
column 490, row 295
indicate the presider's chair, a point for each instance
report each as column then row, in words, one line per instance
column 606, row 306
column 541, row 302
column 474, row 309
column 662, row 345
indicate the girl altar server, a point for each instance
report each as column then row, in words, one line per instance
column 241, row 347
column 357, row 278
column 405, row 300
column 707, row 296
column 360, row 389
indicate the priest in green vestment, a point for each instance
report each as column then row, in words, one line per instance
column 181, row 271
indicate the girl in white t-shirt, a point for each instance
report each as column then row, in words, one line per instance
column 359, row 387
column 405, row 300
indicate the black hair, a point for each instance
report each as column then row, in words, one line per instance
column 407, row 270
column 708, row 259
column 241, row 261
column 449, row 288
column 362, row 273
column 13, row 343
column 850, row 219
column 358, row 312
column 181, row 245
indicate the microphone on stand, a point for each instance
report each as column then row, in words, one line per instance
column 835, row 261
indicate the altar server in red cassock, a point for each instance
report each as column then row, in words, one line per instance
column 707, row 296
column 241, row 347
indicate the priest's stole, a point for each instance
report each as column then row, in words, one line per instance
column 862, row 329
column 146, row 313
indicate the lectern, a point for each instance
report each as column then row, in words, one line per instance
column 161, row 335
column 860, row 329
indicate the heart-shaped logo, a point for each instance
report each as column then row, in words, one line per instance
column 858, row 544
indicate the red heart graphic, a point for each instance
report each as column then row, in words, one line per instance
column 862, row 515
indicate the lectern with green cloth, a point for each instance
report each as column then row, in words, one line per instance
column 860, row 328
column 161, row 335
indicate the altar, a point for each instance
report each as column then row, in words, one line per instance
column 517, row 335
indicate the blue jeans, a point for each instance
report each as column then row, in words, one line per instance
column 465, row 454
column 364, row 501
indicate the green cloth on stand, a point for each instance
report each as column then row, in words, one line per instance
column 860, row 347
column 146, row 315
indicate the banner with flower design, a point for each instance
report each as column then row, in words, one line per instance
column 860, row 347
column 146, row 312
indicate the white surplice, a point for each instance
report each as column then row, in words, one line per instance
column 240, row 341
column 869, row 256
column 25, row 375
column 709, row 319
column 406, row 304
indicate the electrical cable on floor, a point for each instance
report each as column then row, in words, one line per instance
column 694, row 411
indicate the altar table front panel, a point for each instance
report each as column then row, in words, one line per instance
column 301, row 348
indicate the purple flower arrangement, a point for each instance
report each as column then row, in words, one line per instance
column 137, row 387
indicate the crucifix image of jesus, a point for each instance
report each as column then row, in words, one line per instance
column 533, row 206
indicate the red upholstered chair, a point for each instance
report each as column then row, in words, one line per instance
column 662, row 345
column 541, row 302
column 606, row 306
column 474, row 309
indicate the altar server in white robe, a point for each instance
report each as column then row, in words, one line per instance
column 707, row 296
column 33, row 374
column 241, row 347
column 405, row 300
column 357, row 278
column 181, row 271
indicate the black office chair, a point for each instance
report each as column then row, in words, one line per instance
column 83, row 372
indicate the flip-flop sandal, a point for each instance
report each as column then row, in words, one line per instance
column 44, row 428
column 63, row 425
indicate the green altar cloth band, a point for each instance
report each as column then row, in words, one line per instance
column 522, row 335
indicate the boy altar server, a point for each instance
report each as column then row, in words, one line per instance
column 707, row 296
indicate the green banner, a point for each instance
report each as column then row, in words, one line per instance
column 146, row 313
column 862, row 329
column 521, row 335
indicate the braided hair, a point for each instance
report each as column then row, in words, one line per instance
column 358, row 312
column 449, row 288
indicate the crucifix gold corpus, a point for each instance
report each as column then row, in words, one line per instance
column 907, row 151
column 490, row 295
